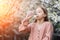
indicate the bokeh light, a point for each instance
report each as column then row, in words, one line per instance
column 7, row 10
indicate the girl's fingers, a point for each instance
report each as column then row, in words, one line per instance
column 21, row 28
column 24, row 20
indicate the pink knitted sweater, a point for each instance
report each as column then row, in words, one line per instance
column 43, row 31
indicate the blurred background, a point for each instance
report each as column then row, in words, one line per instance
column 13, row 11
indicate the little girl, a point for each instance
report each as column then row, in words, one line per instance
column 41, row 29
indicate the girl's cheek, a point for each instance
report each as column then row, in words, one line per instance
column 39, row 15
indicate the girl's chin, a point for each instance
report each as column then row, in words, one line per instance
column 39, row 18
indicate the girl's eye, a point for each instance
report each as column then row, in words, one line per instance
column 39, row 12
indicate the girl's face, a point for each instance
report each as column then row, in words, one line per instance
column 40, row 13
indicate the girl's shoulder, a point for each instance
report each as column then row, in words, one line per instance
column 49, row 26
column 47, row 22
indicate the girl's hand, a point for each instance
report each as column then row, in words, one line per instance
column 21, row 28
column 28, row 17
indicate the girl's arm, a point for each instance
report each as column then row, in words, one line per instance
column 49, row 32
column 24, row 29
column 25, row 26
